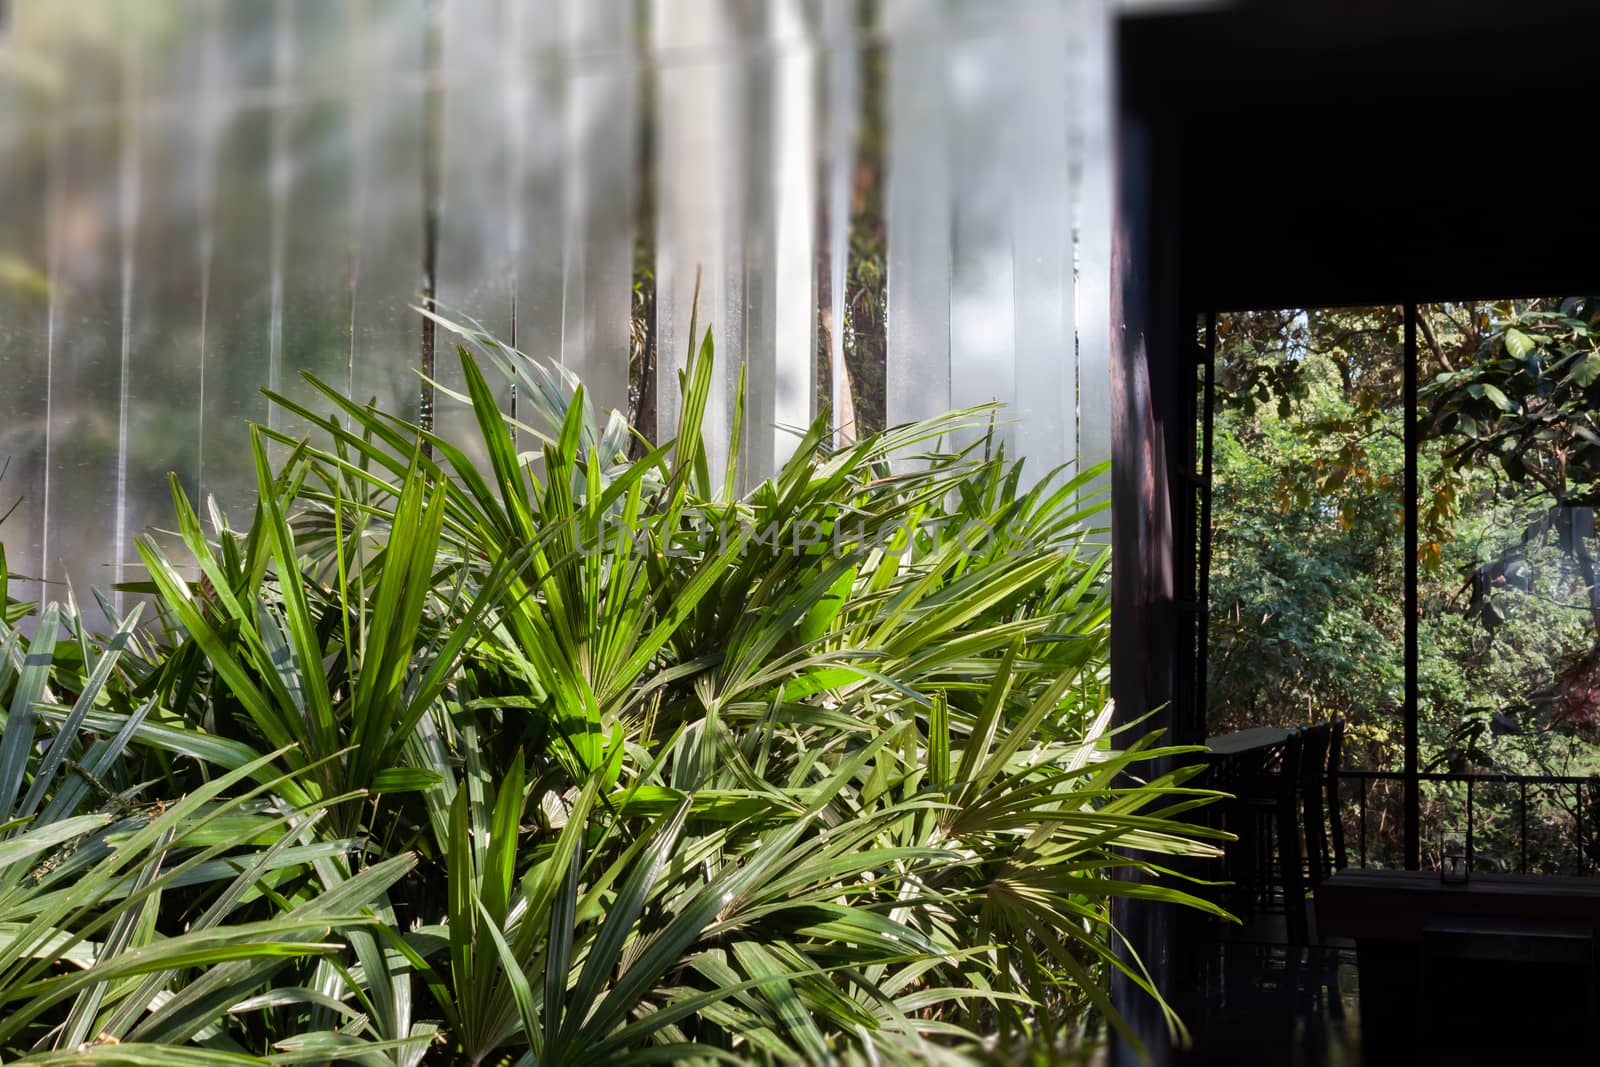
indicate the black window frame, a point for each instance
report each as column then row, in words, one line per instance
column 1193, row 548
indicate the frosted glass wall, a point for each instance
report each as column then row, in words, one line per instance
column 205, row 197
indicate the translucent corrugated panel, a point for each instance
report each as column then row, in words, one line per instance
column 26, row 158
column 780, row 251
column 703, row 73
column 164, row 320
column 387, row 117
column 237, row 229
column 1040, row 211
column 599, row 157
column 92, row 223
column 1093, row 261
column 204, row 199
column 485, row 127
column 311, row 167
column 538, row 181
column 919, row 209
column 988, row 160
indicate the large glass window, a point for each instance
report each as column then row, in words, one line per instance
column 1308, row 579
column 1306, row 562
column 1509, row 634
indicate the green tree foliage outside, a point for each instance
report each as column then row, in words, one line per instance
column 1307, row 584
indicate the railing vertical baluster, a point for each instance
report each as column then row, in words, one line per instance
column 1586, row 792
column 1523, row 818
column 1580, row 827
column 1594, row 810
column 1363, row 821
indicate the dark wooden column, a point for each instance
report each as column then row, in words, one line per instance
column 1147, row 429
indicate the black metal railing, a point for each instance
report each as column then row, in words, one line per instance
column 1585, row 792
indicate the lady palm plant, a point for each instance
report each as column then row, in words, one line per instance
column 132, row 921
column 665, row 643
column 564, row 757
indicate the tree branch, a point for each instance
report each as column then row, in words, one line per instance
column 1433, row 343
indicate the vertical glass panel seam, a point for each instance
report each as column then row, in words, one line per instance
column 1412, row 788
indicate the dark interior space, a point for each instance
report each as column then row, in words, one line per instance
column 1416, row 152
column 1498, row 91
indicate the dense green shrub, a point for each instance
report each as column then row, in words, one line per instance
column 462, row 754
